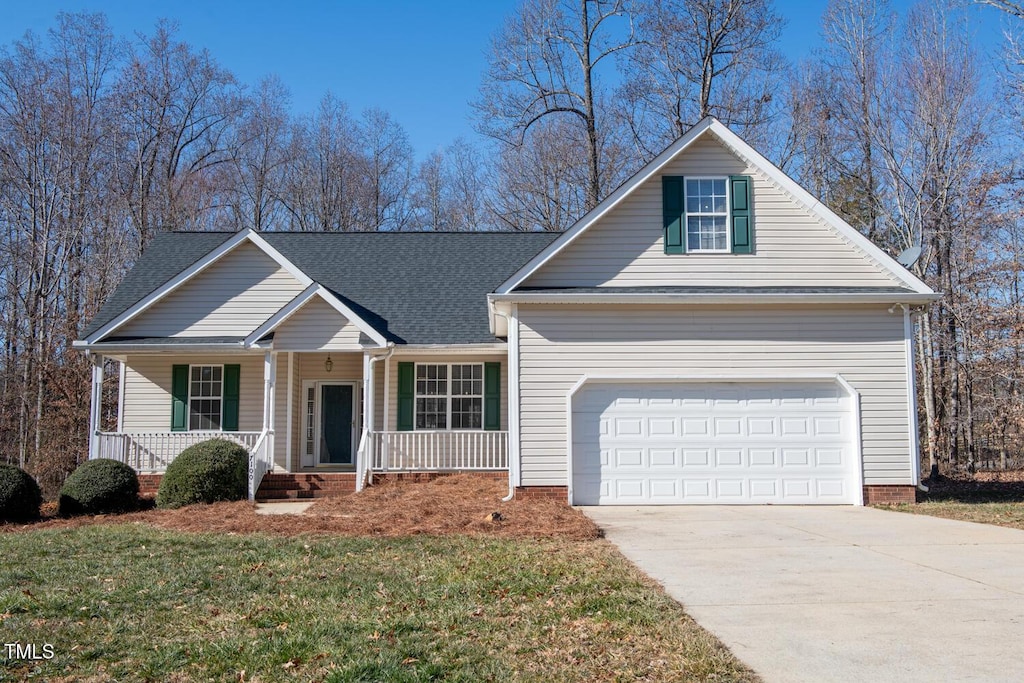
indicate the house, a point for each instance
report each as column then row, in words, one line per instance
column 709, row 333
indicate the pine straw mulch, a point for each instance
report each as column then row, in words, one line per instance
column 456, row 504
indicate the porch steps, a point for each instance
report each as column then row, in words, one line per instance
column 297, row 486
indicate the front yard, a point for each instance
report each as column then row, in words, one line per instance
column 121, row 599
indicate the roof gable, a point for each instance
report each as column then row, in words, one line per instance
column 414, row 288
column 798, row 241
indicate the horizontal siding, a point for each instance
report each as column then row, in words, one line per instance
column 232, row 297
column 147, row 389
column 559, row 344
column 316, row 326
column 792, row 247
column 347, row 367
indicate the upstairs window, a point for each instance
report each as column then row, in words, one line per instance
column 707, row 214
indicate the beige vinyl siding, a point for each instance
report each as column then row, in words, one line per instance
column 348, row 367
column 560, row 344
column 147, row 389
column 316, row 326
column 791, row 247
column 392, row 397
column 231, row 297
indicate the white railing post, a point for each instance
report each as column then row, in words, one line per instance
column 96, row 406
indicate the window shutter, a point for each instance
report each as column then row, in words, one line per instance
column 229, row 406
column 406, row 395
column 739, row 216
column 179, row 398
column 492, row 396
column 672, row 189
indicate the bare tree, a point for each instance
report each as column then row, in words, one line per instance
column 544, row 65
column 262, row 152
column 178, row 106
column 449, row 190
column 697, row 58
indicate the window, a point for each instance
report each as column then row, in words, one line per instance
column 707, row 215
column 205, row 397
column 449, row 396
column 710, row 215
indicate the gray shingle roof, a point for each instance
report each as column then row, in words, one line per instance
column 415, row 288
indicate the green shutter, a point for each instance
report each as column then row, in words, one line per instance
column 229, row 415
column 179, row 398
column 739, row 217
column 492, row 396
column 672, row 189
column 406, row 395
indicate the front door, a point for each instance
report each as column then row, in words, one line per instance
column 336, row 424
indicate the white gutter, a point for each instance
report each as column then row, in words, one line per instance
column 107, row 348
column 912, row 426
column 718, row 299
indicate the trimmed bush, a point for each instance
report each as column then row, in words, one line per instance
column 98, row 487
column 207, row 472
column 20, row 497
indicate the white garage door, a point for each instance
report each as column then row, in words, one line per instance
column 722, row 442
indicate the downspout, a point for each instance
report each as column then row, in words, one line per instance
column 513, row 405
column 371, row 396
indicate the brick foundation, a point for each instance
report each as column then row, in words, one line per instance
column 149, row 484
column 559, row 493
column 888, row 494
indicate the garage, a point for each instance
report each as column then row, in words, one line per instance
column 670, row 443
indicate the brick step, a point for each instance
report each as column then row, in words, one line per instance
column 284, row 486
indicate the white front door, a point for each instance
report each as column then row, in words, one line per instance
column 720, row 442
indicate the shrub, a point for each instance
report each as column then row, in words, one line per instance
column 207, row 472
column 20, row 497
column 100, row 486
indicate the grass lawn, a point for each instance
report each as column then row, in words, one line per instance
column 985, row 497
column 132, row 602
column 1001, row 514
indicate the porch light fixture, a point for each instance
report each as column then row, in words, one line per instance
column 328, row 364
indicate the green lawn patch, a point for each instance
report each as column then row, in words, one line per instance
column 130, row 602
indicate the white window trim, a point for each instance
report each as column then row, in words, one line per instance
column 188, row 403
column 687, row 213
column 448, row 399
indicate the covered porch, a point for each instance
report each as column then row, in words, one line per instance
column 338, row 411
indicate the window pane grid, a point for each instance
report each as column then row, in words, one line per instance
column 206, row 383
column 706, row 214
column 455, row 403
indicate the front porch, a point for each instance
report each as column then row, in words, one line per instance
column 322, row 421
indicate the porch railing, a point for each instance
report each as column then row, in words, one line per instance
column 154, row 451
column 260, row 462
column 427, row 451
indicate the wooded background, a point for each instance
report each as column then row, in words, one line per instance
column 901, row 124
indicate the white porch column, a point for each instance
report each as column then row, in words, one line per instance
column 362, row 454
column 96, row 406
column 269, row 373
column 385, row 414
column 289, row 401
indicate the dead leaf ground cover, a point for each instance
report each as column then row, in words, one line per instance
column 984, row 497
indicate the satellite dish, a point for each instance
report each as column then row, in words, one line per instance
column 908, row 257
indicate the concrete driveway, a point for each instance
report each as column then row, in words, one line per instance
column 838, row 593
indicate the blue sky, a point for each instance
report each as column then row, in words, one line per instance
column 420, row 60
